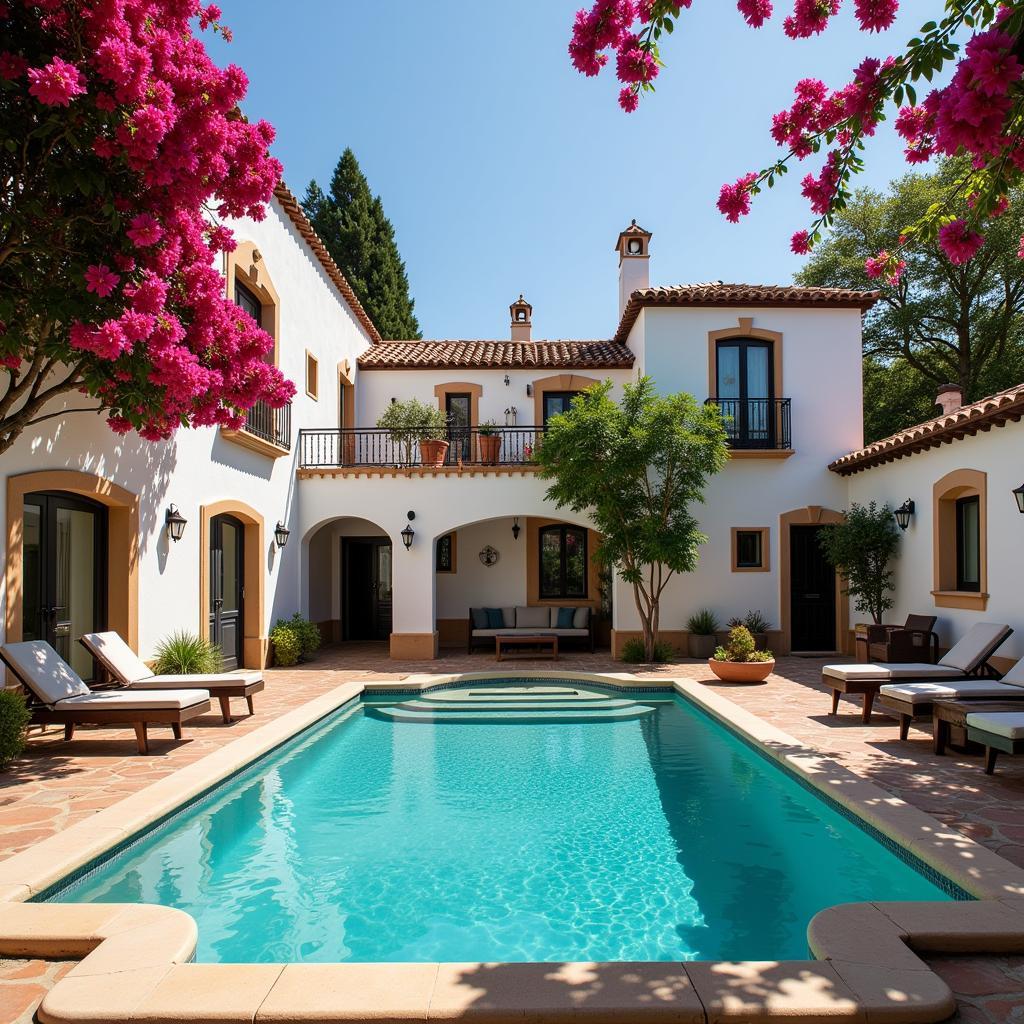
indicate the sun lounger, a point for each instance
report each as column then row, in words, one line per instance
column 965, row 659
column 997, row 731
column 57, row 696
column 130, row 671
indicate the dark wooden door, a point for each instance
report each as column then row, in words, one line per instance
column 458, row 408
column 366, row 598
column 64, row 574
column 227, row 587
column 812, row 588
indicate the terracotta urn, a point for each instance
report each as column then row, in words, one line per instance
column 742, row 671
column 432, row 452
column 490, row 447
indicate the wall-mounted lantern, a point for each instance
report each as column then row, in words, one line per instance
column 1018, row 493
column 281, row 533
column 903, row 514
column 508, row 380
column 516, row 530
column 175, row 523
column 408, row 533
column 529, row 391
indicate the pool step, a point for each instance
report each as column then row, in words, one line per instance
column 468, row 707
column 509, row 696
column 492, row 716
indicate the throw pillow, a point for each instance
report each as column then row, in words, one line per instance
column 479, row 617
column 566, row 617
column 495, row 620
column 582, row 618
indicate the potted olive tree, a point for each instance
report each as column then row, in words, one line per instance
column 702, row 627
column 739, row 661
column 410, row 421
column 490, row 443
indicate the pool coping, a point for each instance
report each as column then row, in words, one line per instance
column 136, row 959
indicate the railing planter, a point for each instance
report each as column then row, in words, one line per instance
column 490, row 444
column 433, row 452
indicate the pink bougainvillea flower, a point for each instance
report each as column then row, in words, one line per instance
column 876, row 15
column 885, row 265
column 99, row 278
column 12, row 66
column 56, row 84
column 629, row 99
column 800, row 243
column 145, row 230
column 755, row 12
column 809, row 17
column 734, row 200
column 959, row 242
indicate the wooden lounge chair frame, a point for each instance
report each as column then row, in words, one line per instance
column 141, row 719
column 994, row 744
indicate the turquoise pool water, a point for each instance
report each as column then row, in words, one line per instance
column 662, row 837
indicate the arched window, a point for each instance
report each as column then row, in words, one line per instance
column 960, row 540
column 563, row 562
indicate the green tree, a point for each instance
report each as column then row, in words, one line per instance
column 940, row 322
column 653, row 455
column 352, row 224
column 861, row 548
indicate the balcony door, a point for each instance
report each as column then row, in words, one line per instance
column 744, row 375
column 458, row 408
column 227, row 587
column 64, row 574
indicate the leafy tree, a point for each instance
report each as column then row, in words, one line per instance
column 361, row 239
column 940, row 321
column 654, row 456
column 861, row 548
column 120, row 147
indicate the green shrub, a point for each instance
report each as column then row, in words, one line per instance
column 287, row 644
column 185, row 653
column 702, row 623
column 307, row 634
column 741, row 647
column 14, row 718
column 633, row 652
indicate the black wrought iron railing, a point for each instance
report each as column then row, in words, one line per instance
column 270, row 424
column 756, row 423
column 377, row 446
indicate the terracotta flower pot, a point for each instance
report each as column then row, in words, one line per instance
column 432, row 453
column 741, row 671
column 490, row 447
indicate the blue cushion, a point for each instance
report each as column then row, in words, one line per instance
column 479, row 617
column 495, row 618
column 565, row 617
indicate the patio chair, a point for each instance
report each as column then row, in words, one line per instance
column 130, row 671
column 915, row 700
column 914, row 641
column 57, row 696
column 965, row 659
column 997, row 731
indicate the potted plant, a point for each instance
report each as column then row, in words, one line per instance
column 758, row 626
column 490, row 443
column 410, row 421
column 739, row 661
column 702, row 627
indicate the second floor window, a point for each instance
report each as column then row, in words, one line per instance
column 557, row 402
column 745, row 390
column 249, row 302
column 563, row 562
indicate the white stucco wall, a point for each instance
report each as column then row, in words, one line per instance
column 477, row 585
column 998, row 453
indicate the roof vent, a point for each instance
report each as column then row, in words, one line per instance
column 949, row 398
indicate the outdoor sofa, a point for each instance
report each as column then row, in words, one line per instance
column 914, row 641
column 997, row 731
column 131, row 672
column 487, row 623
column 58, row 696
column 965, row 663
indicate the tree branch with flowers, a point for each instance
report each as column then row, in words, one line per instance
column 122, row 150
column 979, row 114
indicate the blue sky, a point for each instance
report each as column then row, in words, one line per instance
column 504, row 171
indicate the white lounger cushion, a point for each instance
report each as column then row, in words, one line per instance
column 214, row 681
column 122, row 700
column 978, row 644
column 44, row 671
column 1000, row 723
column 886, row 670
column 925, row 693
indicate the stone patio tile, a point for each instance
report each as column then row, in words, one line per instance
column 17, row 1000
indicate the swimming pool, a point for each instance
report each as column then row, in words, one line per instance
column 467, row 825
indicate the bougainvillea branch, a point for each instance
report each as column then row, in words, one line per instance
column 979, row 114
column 121, row 150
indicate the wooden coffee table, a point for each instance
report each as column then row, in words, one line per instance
column 548, row 645
column 949, row 719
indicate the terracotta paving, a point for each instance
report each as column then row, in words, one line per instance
column 58, row 783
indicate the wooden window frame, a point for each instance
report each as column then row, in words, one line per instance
column 313, row 392
column 962, row 583
column 946, row 495
column 562, row 529
column 453, row 569
column 734, row 561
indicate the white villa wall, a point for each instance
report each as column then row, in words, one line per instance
column 199, row 467
column 474, row 584
column 999, row 453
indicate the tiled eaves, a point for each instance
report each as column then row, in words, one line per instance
column 995, row 411
column 296, row 214
column 498, row 355
column 718, row 293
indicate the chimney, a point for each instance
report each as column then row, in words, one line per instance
column 633, row 248
column 950, row 398
column 521, row 312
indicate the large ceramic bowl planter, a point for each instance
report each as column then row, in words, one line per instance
column 432, row 453
column 742, row 671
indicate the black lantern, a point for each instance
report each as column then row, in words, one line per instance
column 408, row 533
column 175, row 523
column 281, row 534
column 903, row 514
column 515, row 528
column 1018, row 493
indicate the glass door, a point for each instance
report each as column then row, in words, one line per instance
column 460, row 428
column 745, row 392
column 63, row 560
column 226, row 588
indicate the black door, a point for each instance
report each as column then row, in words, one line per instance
column 460, row 427
column 64, row 574
column 227, row 587
column 812, row 588
column 366, row 588
column 744, row 374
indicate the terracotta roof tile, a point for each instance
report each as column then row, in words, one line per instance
column 996, row 410
column 717, row 293
column 286, row 198
column 402, row 355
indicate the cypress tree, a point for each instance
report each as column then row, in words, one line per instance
column 352, row 224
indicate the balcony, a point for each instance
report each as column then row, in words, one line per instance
column 756, row 424
column 376, row 450
column 267, row 430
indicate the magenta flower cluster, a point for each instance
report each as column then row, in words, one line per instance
column 179, row 352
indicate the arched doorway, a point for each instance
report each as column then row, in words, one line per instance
column 227, row 588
